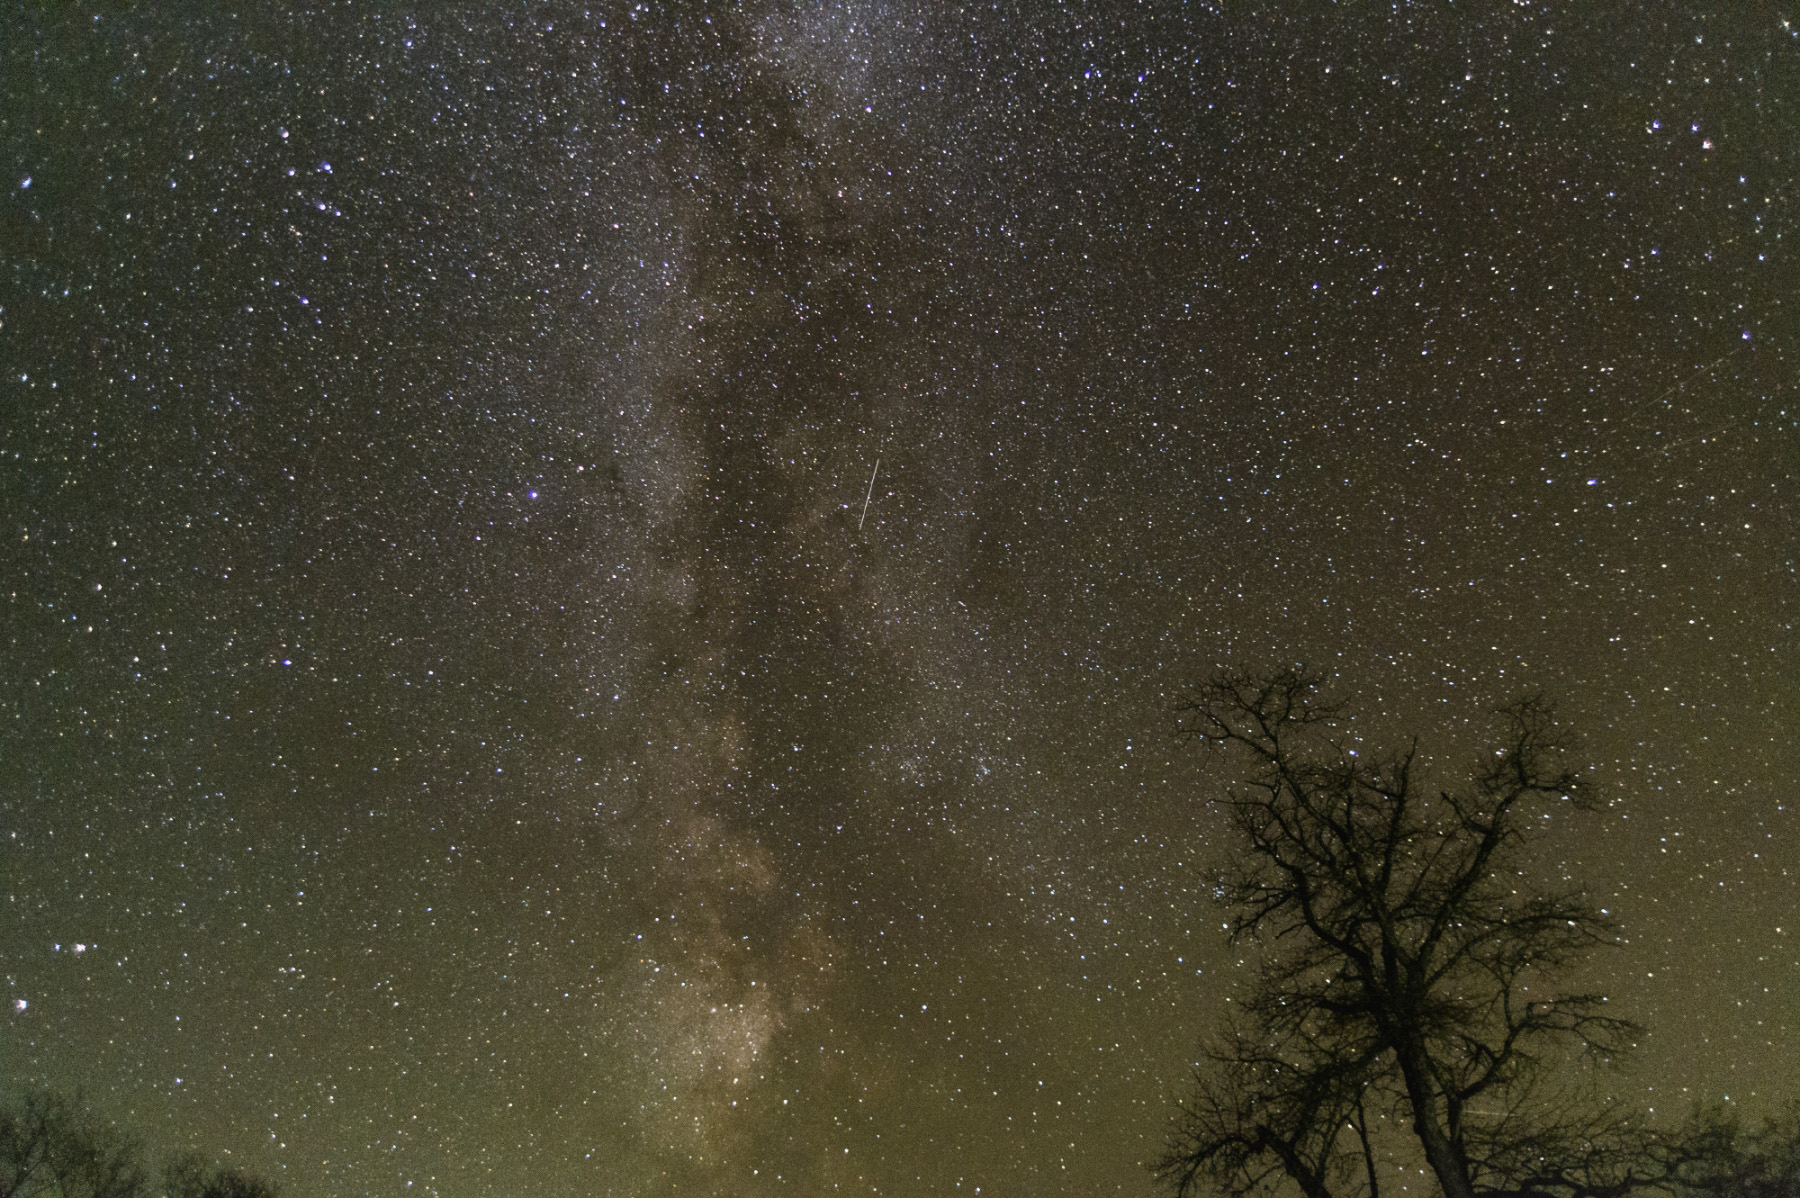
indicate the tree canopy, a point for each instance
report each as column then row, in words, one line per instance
column 1410, row 1001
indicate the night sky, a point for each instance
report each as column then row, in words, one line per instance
column 594, row 596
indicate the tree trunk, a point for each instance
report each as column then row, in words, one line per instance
column 1441, row 1153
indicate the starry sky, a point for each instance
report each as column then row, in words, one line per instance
column 593, row 594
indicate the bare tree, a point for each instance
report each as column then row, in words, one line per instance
column 1730, row 1160
column 188, row 1177
column 1269, row 1112
column 1406, row 970
column 48, row 1151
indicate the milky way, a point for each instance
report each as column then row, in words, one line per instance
column 490, row 726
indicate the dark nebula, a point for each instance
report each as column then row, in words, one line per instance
column 463, row 733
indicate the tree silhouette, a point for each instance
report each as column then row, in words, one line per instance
column 1736, row 1161
column 188, row 1177
column 49, row 1149
column 1408, row 998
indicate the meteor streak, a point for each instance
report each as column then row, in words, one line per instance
column 868, row 493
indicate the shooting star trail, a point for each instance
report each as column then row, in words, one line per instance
column 870, row 492
column 1646, row 408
